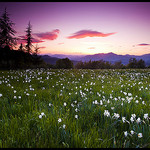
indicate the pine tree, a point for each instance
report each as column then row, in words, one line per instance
column 21, row 47
column 29, row 38
column 36, row 51
column 6, row 31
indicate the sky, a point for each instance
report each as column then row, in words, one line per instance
column 81, row 28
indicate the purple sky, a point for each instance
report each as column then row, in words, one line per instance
column 84, row 27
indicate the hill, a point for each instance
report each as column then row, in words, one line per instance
column 111, row 57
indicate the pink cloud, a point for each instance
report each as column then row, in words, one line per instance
column 89, row 33
column 48, row 35
column 42, row 47
column 22, row 40
column 60, row 43
column 143, row 44
column 91, row 48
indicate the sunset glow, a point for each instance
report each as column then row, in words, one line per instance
column 84, row 27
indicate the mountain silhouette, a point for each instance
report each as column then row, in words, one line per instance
column 111, row 57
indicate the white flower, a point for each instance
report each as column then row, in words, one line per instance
column 112, row 108
column 19, row 97
column 136, row 101
column 145, row 116
column 72, row 105
column 76, row 110
column 138, row 120
column 96, row 102
column 132, row 119
column 140, row 135
column 116, row 115
column 101, row 102
column 50, row 104
column 59, row 120
column 65, row 104
column 129, row 94
column 64, row 126
column 123, row 119
column 1, row 95
column 125, row 133
column 133, row 115
column 106, row 113
column 76, row 116
column 132, row 132
column 40, row 116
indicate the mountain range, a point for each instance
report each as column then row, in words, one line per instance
column 111, row 57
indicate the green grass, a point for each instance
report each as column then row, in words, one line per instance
column 87, row 93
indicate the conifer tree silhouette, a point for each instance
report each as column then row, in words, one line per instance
column 6, row 31
column 36, row 51
column 21, row 47
column 29, row 38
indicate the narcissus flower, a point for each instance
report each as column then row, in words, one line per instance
column 59, row 120
column 140, row 135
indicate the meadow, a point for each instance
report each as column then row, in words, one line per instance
column 48, row 108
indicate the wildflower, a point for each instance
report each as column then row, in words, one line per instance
column 112, row 108
column 125, row 133
column 129, row 94
column 19, row 97
column 64, row 126
column 116, row 115
column 132, row 119
column 50, row 104
column 140, row 135
column 136, row 101
column 76, row 116
column 1, row 95
column 59, row 120
column 138, row 120
column 76, row 110
column 75, row 101
column 133, row 115
column 72, row 105
column 101, row 102
column 132, row 132
column 96, row 102
column 65, row 104
column 40, row 116
column 145, row 116
column 123, row 119
column 106, row 113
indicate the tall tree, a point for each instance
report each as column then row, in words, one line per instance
column 6, row 31
column 29, row 38
column 36, row 50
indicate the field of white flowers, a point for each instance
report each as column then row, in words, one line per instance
column 75, row 108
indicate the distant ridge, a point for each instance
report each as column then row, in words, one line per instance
column 111, row 57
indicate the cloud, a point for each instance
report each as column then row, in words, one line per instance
column 22, row 40
column 60, row 43
column 91, row 48
column 42, row 47
column 89, row 33
column 48, row 35
column 143, row 44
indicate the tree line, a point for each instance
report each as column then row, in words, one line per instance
column 27, row 57
column 101, row 64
